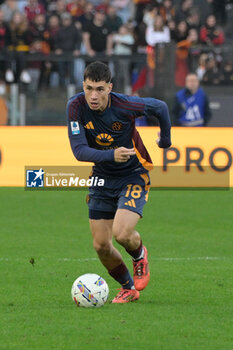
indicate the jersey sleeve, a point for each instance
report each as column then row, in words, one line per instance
column 159, row 109
column 78, row 140
column 139, row 106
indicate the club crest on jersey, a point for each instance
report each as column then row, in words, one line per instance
column 116, row 126
column 104, row 139
column 75, row 128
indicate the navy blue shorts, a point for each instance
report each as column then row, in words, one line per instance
column 130, row 192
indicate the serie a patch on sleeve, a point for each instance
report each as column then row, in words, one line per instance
column 75, row 128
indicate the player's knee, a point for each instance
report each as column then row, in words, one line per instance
column 102, row 248
column 123, row 237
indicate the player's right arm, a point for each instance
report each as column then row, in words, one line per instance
column 82, row 151
column 78, row 141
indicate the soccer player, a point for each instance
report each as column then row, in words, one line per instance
column 101, row 127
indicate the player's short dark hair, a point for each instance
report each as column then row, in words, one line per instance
column 98, row 71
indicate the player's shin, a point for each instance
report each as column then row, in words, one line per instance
column 108, row 255
column 112, row 260
column 121, row 274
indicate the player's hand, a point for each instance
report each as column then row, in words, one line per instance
column 122, row 154
column 158, row 139
column 164, row 143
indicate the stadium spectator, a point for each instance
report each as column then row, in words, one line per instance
column 193, row 37
column 123, row 41
column 35, row 68
column 180, row 35
column 52, row 29
column 227, row 73
column 103, row 6
column 20, row 43
column 21, row 5
column 193, row 20
column 67, row 40
column 158, row 33
column 38, row 30
column 150, row 14
column 33, row 8
column 76, row 8
column 124, row 9
column 191, row 42
column 113, row 21
column 212, row 73
column 5, row 42
column 201, row 67
column 204, row 8
column 193, row 49
column 51, row 7
column 41, row 41
column 167, row 10
column 97, row 36
column 191, row 106
column 60, row 8
column 52, row 67
column 87, row 16
column 140, row 6
column 8, row 8
column 219, row 10
column 140, row 38
column 181, row 31
column 183, row 11
column 211, row 34
column 172, row 27
column 46, row 3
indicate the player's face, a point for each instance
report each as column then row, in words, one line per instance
column 96, row 94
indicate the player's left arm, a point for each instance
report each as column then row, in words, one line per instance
column 159, row 109
column 151, row 107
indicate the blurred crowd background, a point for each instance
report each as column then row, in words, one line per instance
column 150, row 45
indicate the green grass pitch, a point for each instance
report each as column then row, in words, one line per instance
column 187, row 304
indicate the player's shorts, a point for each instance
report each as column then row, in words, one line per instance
column 130, row 192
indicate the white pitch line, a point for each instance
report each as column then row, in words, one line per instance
column 209, row 258
column 191, row 258
column 159, row 259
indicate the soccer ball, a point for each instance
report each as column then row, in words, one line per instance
column 90, row 290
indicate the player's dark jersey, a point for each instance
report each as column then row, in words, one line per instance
column 94, row 136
